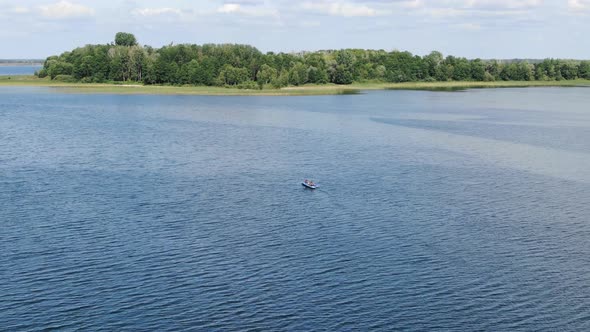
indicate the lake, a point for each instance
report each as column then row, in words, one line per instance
column 19, row 70
column 437, row 211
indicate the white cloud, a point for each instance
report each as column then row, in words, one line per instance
column 412, row 4
column 476, row 15
column 578, row 4
column 455, row 13
column 236, row 8
column 502, row 4
column 65, row 9
column 21, row 10
column 337, row 8
column 474, row 9
column 474, row 4
column 469, row 26
column 229, row 8
column 156, row 11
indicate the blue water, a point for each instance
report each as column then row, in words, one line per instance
column 18, row 70
column 438, row 211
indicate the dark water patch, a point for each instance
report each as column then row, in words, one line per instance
column 556, row 137
column 349, row 92
column 437, row 88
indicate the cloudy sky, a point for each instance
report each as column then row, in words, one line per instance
column 470, row 28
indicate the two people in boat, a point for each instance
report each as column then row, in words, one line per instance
column 309, row 182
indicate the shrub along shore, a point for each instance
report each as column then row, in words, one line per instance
column 307, row 89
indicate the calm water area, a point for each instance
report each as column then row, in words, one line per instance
column 447, row 211
column 18, row 70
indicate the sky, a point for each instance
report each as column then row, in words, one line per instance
column 485, row 29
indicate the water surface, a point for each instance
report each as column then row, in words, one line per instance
column 438, row 211
column 19, row 70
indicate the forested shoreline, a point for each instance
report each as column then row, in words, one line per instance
column 244, row 66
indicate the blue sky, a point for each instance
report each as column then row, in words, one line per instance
column 470, row 28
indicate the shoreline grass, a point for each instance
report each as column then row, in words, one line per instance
column 306, row 90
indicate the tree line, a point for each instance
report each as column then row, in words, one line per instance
column 244, row 66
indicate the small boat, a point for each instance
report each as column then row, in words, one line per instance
column 309, row 184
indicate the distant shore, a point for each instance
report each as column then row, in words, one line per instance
column 327, row 89
column 16, row 64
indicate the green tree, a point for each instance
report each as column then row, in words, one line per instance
column 380, row 72
column 85, row 68
column 403, row 67
column 125, row 39
column 193, row 69
column 266, row 74
column 444, row 72
column 546, row 70
column 298, row 74
column 317, row 75
column 120, row 63
column 478, row 70
column 345, row 58
column 42, row 73
column 281, row 80
column 342, row 75
column 137, row 62
column 175, row 74
column 462, row 70
column 231, row 75
column 526, row 71
column 569, row 71
column 584, row 70
column 57, row 67
column 432, row 63
column 244, row 66
column 342, row 67
column 510, row 72
column 208, row 73
column 492, row 71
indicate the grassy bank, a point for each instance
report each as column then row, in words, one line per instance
column 328, row 89
column 167, row 90
column 453, row 86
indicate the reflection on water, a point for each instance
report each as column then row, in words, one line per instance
column 437, row 88
column 437, row 211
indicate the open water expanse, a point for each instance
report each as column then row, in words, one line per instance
column 437, row 211
column 19, row 70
